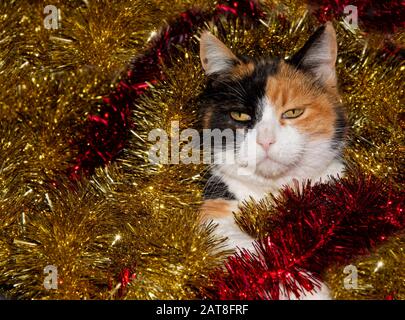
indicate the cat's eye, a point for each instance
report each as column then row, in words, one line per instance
column 292, row 113
column 240, row 116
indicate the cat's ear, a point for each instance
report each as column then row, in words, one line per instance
column 215, row 56
column 318, row 55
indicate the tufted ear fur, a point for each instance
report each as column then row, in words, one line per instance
column 215, row 56
column 318, row 55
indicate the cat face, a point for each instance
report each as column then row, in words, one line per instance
column 288, row 111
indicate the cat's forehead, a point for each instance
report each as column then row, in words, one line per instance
column 276, row 79
column 284, row 87
column 253, row 68
column 290, row 87
column 252, row 86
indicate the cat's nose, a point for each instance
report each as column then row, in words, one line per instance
column 265, row 143
column 265, row 138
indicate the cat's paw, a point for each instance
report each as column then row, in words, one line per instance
column 220, row 212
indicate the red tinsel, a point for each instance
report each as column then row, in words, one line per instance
column 315, row 227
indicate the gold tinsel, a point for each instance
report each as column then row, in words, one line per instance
column 173, row 100
column 71, row 229
column 174, row 262
column 379, row 276
column 134, row 215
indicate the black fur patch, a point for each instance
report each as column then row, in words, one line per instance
column 340, row 128
column 226, row 94
column 215, row 188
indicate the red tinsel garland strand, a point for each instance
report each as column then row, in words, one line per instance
column 321, row 225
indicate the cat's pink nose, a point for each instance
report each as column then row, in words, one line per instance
column 265, row 144
column 265, row 138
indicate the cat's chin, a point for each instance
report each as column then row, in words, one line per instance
column 270, row 169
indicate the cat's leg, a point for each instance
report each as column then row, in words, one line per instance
column 220, row 211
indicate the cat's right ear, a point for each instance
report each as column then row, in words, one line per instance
column 318, row 55
column 215, row 56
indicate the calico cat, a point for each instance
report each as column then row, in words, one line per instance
column 289, row 110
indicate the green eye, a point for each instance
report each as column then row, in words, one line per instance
column 240, row 116
column 292, row 113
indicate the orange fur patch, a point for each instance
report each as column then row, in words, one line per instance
column 290, row 89
column 243, row 69
column 216, row 208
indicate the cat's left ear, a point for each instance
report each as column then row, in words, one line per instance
column 318, row 55
column 215, row 56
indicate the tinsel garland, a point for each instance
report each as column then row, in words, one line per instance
column 310, row 229
column 382, row 18
column 131, row 230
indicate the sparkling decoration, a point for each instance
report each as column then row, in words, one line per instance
column 384, row 19
column 78, row 192
column 69, row 229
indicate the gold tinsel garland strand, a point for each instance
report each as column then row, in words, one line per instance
column 55, row 77
column 14, row 197
column 252, row 217
column 378, row 276
column 94, row 34
column 173, row 262
column 170, row 103
column 167, row 253
column 70, row 229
